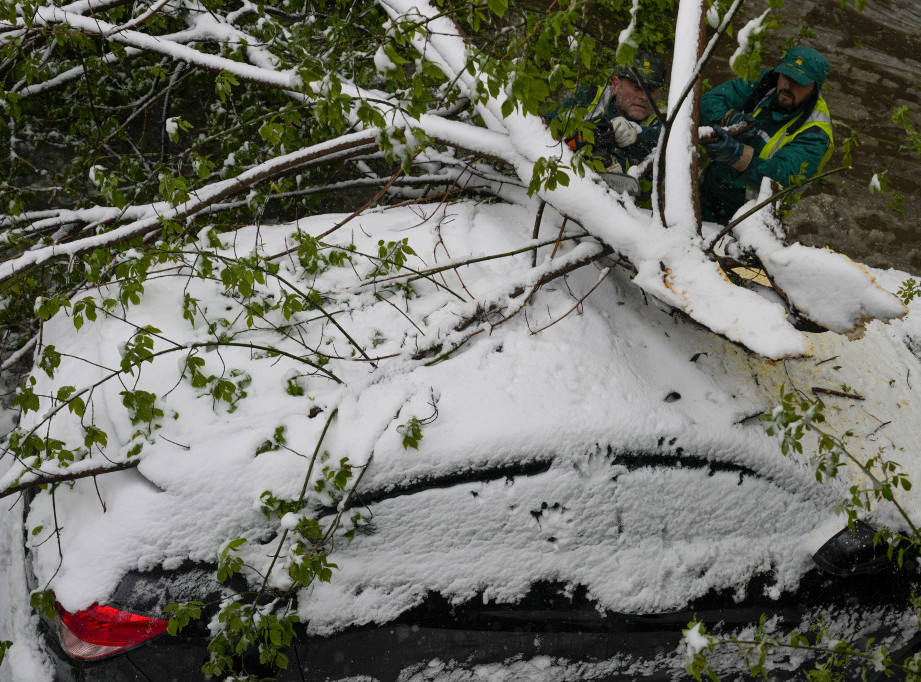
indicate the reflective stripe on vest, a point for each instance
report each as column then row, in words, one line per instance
column 599, row 103
column 820, row 118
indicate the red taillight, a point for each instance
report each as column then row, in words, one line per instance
column 102, row 631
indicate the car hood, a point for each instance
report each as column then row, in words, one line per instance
column 600, row 441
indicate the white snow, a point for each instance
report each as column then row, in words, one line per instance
column 172, row 127
column 694, row 640
column 668, row 361
column 96, row 174
column 382, row 62
column 747, row 33
column 626, row 35
column 619, row 377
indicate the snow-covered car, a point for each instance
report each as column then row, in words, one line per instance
column 446, row 460
column 554, row 632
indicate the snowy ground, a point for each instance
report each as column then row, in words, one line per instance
column 606, row 382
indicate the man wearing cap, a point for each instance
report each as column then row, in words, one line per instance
column 790, row 137
column 627, row 128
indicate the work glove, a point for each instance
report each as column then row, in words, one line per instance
column 733, row 117
column 625, row 132
column 729, row 150
column 616, row 132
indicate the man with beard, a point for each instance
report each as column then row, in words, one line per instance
column 626, row 125
column 790, row 135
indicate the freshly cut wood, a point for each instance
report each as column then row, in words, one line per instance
column 825, row 287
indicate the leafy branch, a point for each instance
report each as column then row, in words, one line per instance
column 791, row 422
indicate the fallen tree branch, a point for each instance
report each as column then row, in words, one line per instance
column 63, row 478
column 484, row 309
column 344, row 147
column 688, row 88
column 774, row 197
column 94, row 26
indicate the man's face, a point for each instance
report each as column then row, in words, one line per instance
column 630, row 99
column 790, row 94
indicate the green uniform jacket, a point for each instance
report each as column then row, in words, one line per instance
column 805, row 152
column 600, row 102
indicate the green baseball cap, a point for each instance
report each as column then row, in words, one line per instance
column 649, row 66
column 804, row 65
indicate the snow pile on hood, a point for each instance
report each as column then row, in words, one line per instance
column 589, row 437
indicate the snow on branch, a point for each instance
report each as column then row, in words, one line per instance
column 51, row 16
column 670, row 263
column 669, row 256
column 155, row 214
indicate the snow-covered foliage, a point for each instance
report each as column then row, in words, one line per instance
column 259, row 377
column 590, row 437
column 665, row 250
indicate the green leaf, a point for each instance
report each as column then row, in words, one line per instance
column 181, row 614
column 272, row 132
column 412, row 433
column 626, row 53
column 223, row 84
column 498, row 7
column 44, row 601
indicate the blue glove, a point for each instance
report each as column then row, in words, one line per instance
column 725, row 150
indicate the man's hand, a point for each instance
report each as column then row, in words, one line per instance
column 625, row 132
column 733, row 117
column 617, row 132
column 729, row 150
column 740, row 124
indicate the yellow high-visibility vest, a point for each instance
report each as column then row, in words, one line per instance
column 819, row 118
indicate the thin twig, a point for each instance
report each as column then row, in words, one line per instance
column 603, row 277
column 373, row 200
column 770, row 199
column 559, row 238
column 300, row 501
column 841, row 394
column 536, row 232
column 141, row 109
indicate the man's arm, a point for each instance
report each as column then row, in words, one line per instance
column 730, row 95
column 801, row 156
column 582, row 98
column 645, row 143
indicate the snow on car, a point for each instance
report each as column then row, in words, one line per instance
column 493, row 429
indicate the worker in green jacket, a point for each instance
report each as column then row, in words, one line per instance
column 790, row 138
column 626, row 126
